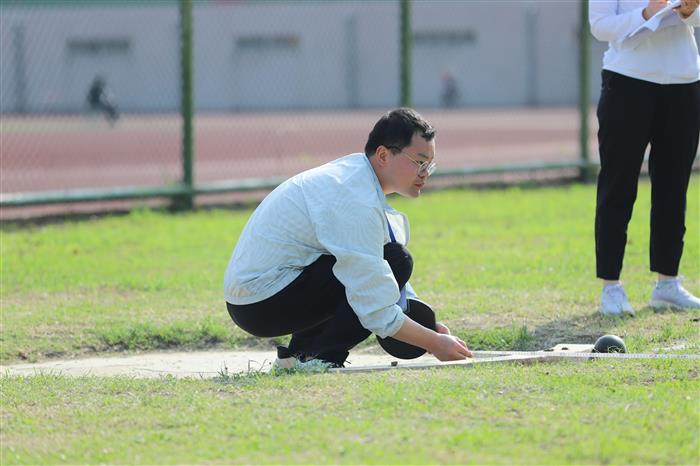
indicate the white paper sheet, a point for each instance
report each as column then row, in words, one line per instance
column 653, row 23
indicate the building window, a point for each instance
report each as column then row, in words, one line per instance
column 267, row 42
column 107, row 46
column 450, row 38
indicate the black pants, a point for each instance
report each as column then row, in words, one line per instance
column 631, row 114
column 315, row 309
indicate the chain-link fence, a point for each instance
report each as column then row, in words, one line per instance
column 90, row 95
column 91, row 92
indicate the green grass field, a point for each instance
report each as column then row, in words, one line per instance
column 506, row 269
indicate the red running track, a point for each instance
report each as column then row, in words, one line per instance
column 84, row 151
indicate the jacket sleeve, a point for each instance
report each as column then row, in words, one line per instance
column 354, row 234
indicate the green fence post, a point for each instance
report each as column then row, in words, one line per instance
column 406, row 51
column 186, row 201
column 584, row 90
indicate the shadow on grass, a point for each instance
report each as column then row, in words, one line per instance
column 644, row 332
column 579, row 329
column 650, row 330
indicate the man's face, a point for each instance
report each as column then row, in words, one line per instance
column 406, row 176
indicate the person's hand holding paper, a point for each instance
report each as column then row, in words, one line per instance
column 655, row 6
column 655, row 13
column 686, row 7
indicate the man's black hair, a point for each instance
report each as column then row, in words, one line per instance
column 396, row 128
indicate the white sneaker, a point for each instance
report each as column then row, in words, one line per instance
column 286, row 361
column 670, row 293
column 297, row 365
column 613, row 301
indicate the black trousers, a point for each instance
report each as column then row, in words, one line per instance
column 315, row 310
column 631, row 114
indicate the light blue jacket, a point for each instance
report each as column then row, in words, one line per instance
column 338, row 209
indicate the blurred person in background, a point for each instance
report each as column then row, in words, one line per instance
column 324, row 256
column 650, row 95
column 99, row 99
column 450, row 92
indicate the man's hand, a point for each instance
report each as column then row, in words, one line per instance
column 450, row 348
column 442, row 328
column 653, row 7
column 439, row 343
column 687, row 8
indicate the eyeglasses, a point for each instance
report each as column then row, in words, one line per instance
column 423, row 167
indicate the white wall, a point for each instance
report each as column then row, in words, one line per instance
column 145, row 78
column 347, row 55
column 490, row 71
column 313, row 74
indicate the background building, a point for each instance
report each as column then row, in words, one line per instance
column 255, row 55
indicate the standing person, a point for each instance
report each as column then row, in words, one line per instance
column 318, row 260
column 650, row 95
column 450, row 91
column 99, row 100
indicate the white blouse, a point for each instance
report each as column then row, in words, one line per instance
column 668, row 55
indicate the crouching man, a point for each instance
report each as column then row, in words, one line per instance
column 323, row 257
